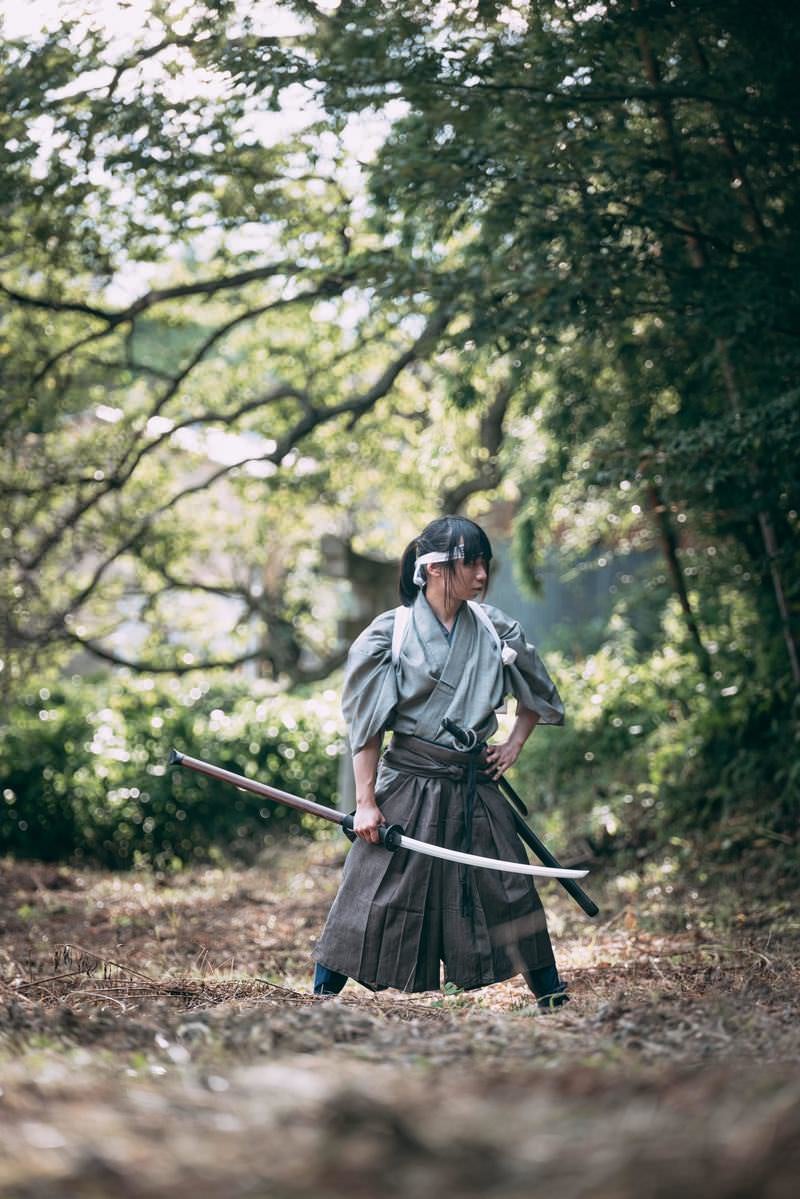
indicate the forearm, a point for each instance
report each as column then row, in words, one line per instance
column 365, row 769
column 368, row 816
column 524, row 724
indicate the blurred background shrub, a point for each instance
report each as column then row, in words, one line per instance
column 83, row 770
column 655, row 752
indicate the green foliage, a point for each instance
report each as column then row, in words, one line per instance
column 191, row 321
column 653, row 750
column 83, row 769
column 612, row 192
column 593, row 206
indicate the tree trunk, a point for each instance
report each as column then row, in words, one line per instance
column 668, row 541
column 489, row 474
column 697, row 257
column 669, row 547
column 739, row 173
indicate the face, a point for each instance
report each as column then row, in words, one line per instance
column 470, row 579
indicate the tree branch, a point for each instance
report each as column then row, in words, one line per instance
column 312, row 419
column 296, row 675
column 150, row 667
column 114, row 317
column 130, row 459
column 489, row 475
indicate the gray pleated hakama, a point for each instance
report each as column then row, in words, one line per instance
column 398, row 917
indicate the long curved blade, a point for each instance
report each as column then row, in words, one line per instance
column 393, row 839
column 472, row 859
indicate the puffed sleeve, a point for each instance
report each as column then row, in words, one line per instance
column 370, row 694
column 524, row 673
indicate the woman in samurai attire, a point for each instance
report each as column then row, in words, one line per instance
column 398, row 916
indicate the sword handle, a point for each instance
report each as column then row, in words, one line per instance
column 389, row 834
column 347, row 827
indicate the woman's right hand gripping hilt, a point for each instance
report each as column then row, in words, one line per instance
column 389, row 833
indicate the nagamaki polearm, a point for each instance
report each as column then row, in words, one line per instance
column 392, row 836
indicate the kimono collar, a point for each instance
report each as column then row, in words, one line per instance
column 430, row 620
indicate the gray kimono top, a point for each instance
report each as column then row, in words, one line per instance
column 461, row 676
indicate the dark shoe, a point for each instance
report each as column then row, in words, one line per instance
column 328, row 982
column 547, row 986
column 556, row 998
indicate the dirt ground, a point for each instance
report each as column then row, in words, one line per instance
column 158, row 1039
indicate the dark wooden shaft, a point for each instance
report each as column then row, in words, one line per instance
column 176, row 758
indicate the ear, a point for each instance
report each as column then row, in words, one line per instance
column 435, row 569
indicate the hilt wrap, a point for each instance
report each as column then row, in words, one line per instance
column 389, row 834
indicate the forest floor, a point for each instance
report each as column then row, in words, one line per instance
column 158, row 1040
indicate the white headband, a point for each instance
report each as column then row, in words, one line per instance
column 435, row 556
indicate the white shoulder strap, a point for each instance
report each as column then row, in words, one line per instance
column 402, row 615
column 507, row 654
column 483, row 617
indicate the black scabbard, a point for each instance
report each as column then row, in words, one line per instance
column 526, row 833
column 544, row 855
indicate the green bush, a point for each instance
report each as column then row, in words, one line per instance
column 83, row 770
column 654, row 752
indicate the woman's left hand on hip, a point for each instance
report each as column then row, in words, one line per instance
column 499, row 757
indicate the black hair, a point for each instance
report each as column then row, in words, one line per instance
column 443, row 536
